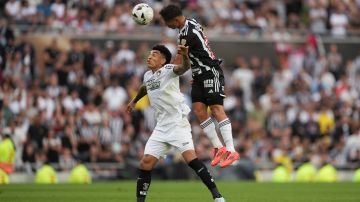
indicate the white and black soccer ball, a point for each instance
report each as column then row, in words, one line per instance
column 142, row 14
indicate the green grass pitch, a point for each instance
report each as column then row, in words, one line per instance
column 182, row 191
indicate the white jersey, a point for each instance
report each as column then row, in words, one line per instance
column 168, row 102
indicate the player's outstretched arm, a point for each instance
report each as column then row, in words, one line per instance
column 177, row 60
column 185, row 65
column 141, row 93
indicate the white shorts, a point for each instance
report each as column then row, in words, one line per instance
column 179, row 137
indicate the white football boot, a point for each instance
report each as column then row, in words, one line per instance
column 220, row 200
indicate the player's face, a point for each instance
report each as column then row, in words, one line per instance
column 173, row 24
column 155, row 60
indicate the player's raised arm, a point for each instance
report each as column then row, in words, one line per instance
column 141, row 93
column 177, row 60
column 185, row 65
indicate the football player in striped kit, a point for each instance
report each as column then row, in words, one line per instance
column 208, row 84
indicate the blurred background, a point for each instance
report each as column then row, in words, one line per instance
column 68, row 69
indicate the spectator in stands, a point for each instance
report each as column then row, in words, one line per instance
column 12, row 8
column 124, row 54
column 51, row 55
column 52, row 146
column 66, row 160
column 58, row 7
column 339, row 20
column 37, row 131
column 352, row 147
column 28, row 157
column 243, row 77
column 114, row 96
column 72, row 102
column 335, row 61
column 318, row 16
column 44, row 11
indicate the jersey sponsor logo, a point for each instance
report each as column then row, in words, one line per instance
column 152, row 85
column 211, row 91
column 208, row 83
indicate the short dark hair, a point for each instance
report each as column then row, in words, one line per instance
column 165, row 51
column 170, row 12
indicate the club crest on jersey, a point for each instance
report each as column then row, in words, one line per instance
column 158, row 73
column 208, row 83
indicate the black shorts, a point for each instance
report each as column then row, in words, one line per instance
column 208, row 87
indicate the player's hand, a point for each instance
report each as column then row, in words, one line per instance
column 183, row 50
column 130, row 107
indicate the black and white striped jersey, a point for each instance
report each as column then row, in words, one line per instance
column 200, row 54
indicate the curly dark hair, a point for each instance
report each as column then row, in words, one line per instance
column 165, row 51
column 170, row 12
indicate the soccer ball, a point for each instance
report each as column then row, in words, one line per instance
column 142, row 14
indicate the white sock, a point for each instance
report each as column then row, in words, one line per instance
column 226, row 132
column 209, row 129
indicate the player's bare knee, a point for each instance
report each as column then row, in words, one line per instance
column 201, row 114
column 218, row 112
column 189, row 155
column 146, row 163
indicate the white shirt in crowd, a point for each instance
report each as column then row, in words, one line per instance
column 72, row 104
column 27, row 11
column 92, row 117
column 124, row 55
column 318, row 20
column 281, row 81
column 244, row 77
column 53, row 90
column 47, row 104
column 58, row 9
column 338, row 22
column 12, row 8
column 115, row 97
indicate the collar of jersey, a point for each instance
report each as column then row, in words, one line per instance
column 157, row 70
column 185, row 25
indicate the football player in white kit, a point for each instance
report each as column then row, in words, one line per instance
column 161, row 84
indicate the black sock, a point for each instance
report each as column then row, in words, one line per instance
column 143, row 184
column 201, row 170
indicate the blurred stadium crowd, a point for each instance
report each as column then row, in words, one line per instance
column 230, row 16
column 306, row 108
